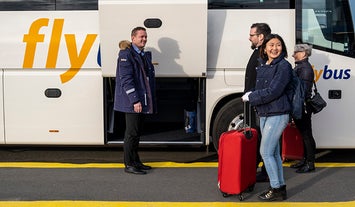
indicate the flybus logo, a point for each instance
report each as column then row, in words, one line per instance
column 76, row 59
column 329, row 73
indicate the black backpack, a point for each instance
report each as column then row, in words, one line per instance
column 296, row 96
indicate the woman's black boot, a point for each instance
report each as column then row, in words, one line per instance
column 299, row 164
column 308, row 167
column 283, row 192
column 274, row 194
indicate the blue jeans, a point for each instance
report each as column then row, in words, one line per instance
column 271, row 130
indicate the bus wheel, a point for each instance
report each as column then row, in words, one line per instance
column 229, row 117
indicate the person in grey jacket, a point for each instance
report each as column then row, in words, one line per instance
column 305, row 72
column 134, row 94
column 270, row 98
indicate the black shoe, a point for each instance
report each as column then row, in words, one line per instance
column 266, row 191
column 298, row 164
column 308, row 167
column 134, row 170
column 283, row 192
column 142, row 166
column 262, row 177
column 273, row 194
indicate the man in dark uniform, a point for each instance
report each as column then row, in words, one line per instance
column 258, row 32
column 134, row 94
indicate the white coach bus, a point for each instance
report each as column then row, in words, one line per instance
column 58, row 63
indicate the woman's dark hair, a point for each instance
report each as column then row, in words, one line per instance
column 263, row 55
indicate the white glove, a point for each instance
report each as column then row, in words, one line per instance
column 245, row 97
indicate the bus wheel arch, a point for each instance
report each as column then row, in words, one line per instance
column 228, row 117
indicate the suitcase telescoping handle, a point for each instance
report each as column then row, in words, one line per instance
column 248, row 134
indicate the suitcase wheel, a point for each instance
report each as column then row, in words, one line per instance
column 226, row 195
column 241, row 197
column 251, row 188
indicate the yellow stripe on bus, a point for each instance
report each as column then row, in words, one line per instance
column 120, row 165
column 168, row 204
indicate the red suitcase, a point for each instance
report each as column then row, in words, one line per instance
column 237, row 162
column 292, row 143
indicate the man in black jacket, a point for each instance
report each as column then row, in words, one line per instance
column 258, row 32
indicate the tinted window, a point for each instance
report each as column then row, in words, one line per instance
column 250, row 4
column 43, row 5
column 327, row 25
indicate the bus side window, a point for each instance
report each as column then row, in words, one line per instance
column 327, row 25
column 48, row 5
column 250, row 4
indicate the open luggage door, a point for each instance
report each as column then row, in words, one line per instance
column 177, row 34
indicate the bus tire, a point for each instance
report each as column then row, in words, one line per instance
column 227, row 118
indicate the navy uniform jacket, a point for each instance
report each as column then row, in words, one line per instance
column 134, row 82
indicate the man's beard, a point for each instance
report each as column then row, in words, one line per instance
column 253, row 46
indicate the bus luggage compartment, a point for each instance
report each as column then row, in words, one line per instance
column 39, row 109
column 178, row 42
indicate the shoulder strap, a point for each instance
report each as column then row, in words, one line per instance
column 315, row 87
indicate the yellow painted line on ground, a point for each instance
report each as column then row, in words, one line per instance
column 169, row 204
column 58, row 165
column 120, row 165
column 101, row 165
column 329, row 164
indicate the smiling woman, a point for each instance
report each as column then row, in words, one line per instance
column 273, row 50
column 270, row 98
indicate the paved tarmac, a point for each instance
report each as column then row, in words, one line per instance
column 95, row 177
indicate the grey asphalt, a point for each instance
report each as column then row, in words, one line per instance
column 160, row 184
